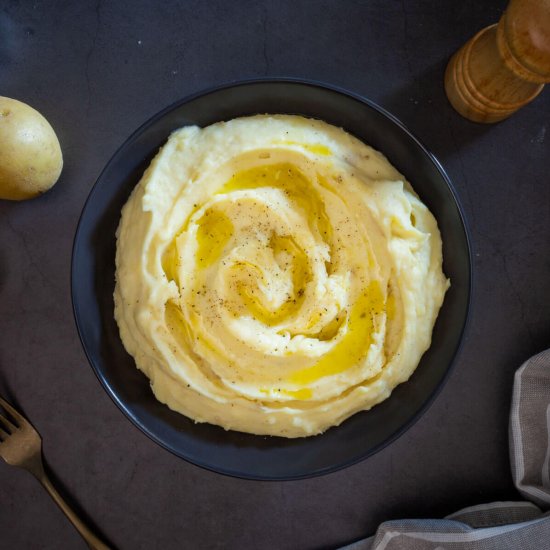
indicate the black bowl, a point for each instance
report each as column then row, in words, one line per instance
column 235, row 453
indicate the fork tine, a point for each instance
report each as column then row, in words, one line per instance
column 16, row 416
column 5, row 423
column 3, row 435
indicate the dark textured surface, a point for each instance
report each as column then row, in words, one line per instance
column 97, row 71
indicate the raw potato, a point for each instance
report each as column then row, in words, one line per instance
column 30, row 154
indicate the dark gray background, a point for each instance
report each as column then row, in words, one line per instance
column 99, row 70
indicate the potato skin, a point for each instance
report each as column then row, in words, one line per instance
column 30, row 155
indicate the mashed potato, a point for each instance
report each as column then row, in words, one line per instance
column 275, row 275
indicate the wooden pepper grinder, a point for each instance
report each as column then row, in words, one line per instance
column 504, row 66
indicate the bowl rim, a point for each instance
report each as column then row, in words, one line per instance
column 469, row 289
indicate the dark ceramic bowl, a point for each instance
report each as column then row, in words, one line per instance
column 234, row 453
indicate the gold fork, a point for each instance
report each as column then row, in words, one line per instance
column 21, row 445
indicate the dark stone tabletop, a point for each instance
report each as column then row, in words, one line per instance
column 98, row 70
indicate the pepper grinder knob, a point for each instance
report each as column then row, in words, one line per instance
column 504, row 66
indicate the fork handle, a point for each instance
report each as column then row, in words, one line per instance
column 91, row 540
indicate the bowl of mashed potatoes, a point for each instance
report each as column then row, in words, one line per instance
column 288, row 269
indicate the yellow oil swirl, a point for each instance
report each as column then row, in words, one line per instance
column 316, row 148
column 170, row 261
column 354, row 345
column 301, row 274
column 293, row 183
column 214, row 231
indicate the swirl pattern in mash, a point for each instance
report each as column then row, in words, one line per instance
column 275, row 275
